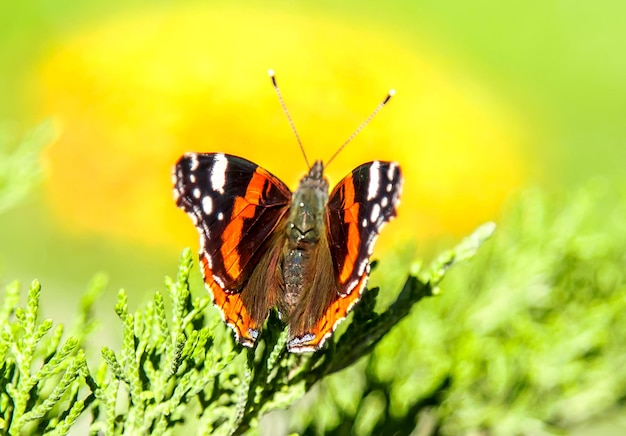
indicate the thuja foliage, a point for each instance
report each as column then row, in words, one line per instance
column 177, row 369
column 527, row 338
column 45, row 383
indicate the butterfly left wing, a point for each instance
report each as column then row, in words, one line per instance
column 357, row 209
column 236, row 207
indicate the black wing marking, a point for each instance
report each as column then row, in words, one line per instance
column 358, row 207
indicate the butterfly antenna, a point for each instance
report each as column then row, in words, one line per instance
column 293, row 126
column 390, row 94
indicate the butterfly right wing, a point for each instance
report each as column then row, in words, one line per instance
column 359, row 206
column 236, row 207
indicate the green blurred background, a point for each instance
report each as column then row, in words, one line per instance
column 556, row 70
column 557, row 65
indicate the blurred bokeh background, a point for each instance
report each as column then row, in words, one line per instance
column 99, row 98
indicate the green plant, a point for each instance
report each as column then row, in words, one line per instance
column 41, row 377
column 527, row 337
column 181, row 371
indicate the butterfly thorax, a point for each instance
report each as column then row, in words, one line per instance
column 306, row 213
column 305, row 226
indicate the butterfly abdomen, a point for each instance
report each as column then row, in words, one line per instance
column 294, row 266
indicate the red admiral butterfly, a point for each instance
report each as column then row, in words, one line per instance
column 262, row 246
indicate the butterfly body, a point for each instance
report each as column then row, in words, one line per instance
column 303, row 230
column 304, row 253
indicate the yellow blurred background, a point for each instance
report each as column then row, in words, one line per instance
column 490, row 98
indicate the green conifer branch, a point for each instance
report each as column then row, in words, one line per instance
column 40, row 380
column 177, row 368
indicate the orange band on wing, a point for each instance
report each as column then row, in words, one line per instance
column 353, row 241
column 243, row 208
column 232, row 309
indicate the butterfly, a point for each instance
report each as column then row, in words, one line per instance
column 305, row 253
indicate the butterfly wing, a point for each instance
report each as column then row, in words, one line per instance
column 359, row 206
column 357, row 209
column 236, row 207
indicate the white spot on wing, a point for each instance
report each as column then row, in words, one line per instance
column 375, row 213
column 192, row 178
column 372, row 188
column 364, row 223
column 207, row 205
column 209, row 261
column 362, row 266
column 219, row 281
column 302, row 339
column 372, row 241
column 204, row 229
column 196, row 192
column 351, row 286
column 391, row 170
column 194, row 162
column 384, row 202
column 218, row 173
column 220, row 216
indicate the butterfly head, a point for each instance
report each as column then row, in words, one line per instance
column 306, row 214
